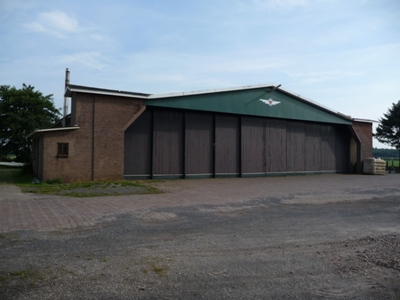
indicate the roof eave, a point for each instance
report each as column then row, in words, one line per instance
column 364, row 120
column 201, row 92
column 83, row 89
column 40, row 131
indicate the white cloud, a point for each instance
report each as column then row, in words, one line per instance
column 96, row 37
column 55, row 23
column 313, row 77
column 59, row 21
column 93, row 60
column 35, row 27
column 205, row 64
column 60, row 25
column 256, row 5
column 283, row 3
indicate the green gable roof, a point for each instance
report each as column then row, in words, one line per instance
column 248, row 101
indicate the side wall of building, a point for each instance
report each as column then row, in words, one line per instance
column 111, row 114
column 96, row 149
column 364, row 133
column 60, row 167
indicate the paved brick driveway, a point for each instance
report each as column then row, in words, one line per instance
column 20, row 211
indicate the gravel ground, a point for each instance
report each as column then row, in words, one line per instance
column 309, row 242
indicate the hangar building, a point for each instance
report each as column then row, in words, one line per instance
column 260, row 130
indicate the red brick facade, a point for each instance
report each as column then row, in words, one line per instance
column 364, row 133
column 96, row 149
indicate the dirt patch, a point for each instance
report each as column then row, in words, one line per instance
column 361, row 254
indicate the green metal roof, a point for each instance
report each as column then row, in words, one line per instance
column 279, row 103
column 266, row 100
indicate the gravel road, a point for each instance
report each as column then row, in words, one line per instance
column 309, row 237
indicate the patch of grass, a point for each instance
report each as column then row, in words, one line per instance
column 9, row 167
column 8, row 174
column 158, row 270
column 22, row 273
column 157, row 266
column 54, row 181
column 130, row 183
column 15, row 175
column 391, row 162
column 9, row 236
column 90, row 189
column 23, row 178
column 26, row 277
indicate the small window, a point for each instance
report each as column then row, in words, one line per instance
column 62, row 149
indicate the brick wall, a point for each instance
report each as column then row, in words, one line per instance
column 364, row 133
column 111, row 114
column 96, row 149
column 55, row 167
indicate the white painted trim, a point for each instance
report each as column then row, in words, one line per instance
column 246, row 87
column 365, row 120
column 70, row 90
column 52, row 129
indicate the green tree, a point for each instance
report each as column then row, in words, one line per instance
column 388, row 131
column 21, row 112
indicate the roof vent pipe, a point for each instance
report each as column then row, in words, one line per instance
column 64, row 123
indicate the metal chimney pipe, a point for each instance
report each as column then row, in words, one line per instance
column 67, row 74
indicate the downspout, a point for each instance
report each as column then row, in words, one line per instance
column 93, row 135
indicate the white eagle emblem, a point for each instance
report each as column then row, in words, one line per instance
column 270, row 102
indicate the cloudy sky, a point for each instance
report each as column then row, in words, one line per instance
column 344, row 54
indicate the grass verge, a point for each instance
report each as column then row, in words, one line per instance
column 24, row 179
column 391, row 162
column 91, row 189
column 14, row 175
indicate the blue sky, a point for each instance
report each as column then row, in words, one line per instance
column 343, row 54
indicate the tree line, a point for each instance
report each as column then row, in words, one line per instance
column 385, row 153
